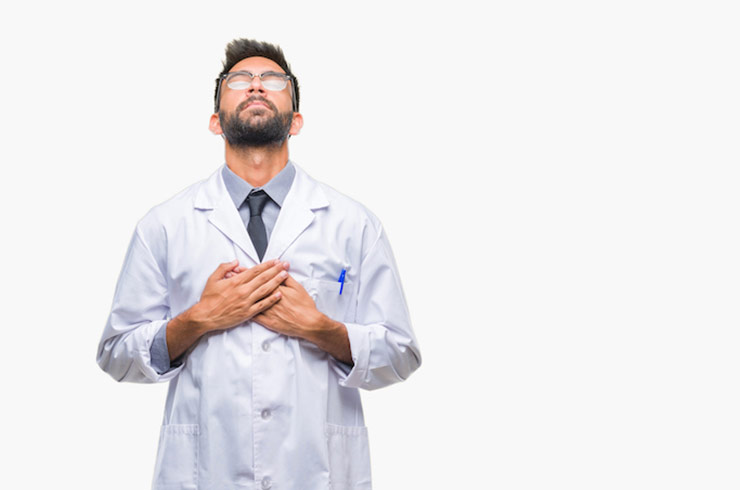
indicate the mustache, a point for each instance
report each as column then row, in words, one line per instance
column 254, row 98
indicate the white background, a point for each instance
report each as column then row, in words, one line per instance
column 558, row 179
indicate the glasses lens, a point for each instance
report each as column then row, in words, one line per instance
column 274, row 82
column 238, row 81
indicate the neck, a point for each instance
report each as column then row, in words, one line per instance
column 257, row 165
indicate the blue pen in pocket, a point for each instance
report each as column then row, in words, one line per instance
column 341, row 280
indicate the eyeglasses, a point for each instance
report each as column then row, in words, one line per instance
column 242, row 80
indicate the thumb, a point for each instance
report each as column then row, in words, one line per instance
column 221, row 270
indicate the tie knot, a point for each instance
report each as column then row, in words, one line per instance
column 256, row 201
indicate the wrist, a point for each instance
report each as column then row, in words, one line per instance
column 319, row 328
column 192, row 321
column 182, row 332
column 331, row 336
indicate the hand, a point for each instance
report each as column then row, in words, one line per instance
column 295, row 315
column 234, row 294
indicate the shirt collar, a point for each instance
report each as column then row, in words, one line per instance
column 277, row 188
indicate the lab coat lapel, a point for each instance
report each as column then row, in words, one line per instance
column 297, row 213
column 214, row 199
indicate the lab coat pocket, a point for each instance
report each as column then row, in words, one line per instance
column 349, row 457
column 177, row 458
column 327, row 298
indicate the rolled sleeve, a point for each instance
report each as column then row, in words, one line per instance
column 139, row 314
column 383, row 345
column 159, row 353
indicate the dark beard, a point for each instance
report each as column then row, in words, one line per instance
column 241, row 133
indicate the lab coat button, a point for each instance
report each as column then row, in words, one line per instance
column 266, row 483
column 266, row 346
column 266, row 413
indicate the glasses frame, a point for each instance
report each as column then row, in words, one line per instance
column 288, row 78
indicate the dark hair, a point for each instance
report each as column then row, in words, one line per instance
column 240, row 49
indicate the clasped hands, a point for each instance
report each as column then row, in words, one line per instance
column 267, row 294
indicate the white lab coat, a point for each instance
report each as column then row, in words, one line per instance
column 250, row 408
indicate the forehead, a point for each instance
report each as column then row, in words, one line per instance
column 257, row 64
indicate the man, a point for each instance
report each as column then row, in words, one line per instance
column 266, row 299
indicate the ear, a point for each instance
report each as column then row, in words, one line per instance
column 297, row 124
column 215, row 124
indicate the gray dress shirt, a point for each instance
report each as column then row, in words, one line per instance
column 238, row 189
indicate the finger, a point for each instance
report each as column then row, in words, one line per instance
column 263, row 276
column 292, row 283
column 264, row 304
column 236, row 270
column 248, row 274
column 224, row 267
column 268, row 286
column 263, row 318
column 221, row 270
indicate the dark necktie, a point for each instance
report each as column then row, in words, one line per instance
column 256, row 201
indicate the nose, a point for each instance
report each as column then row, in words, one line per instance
column 256, row 85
